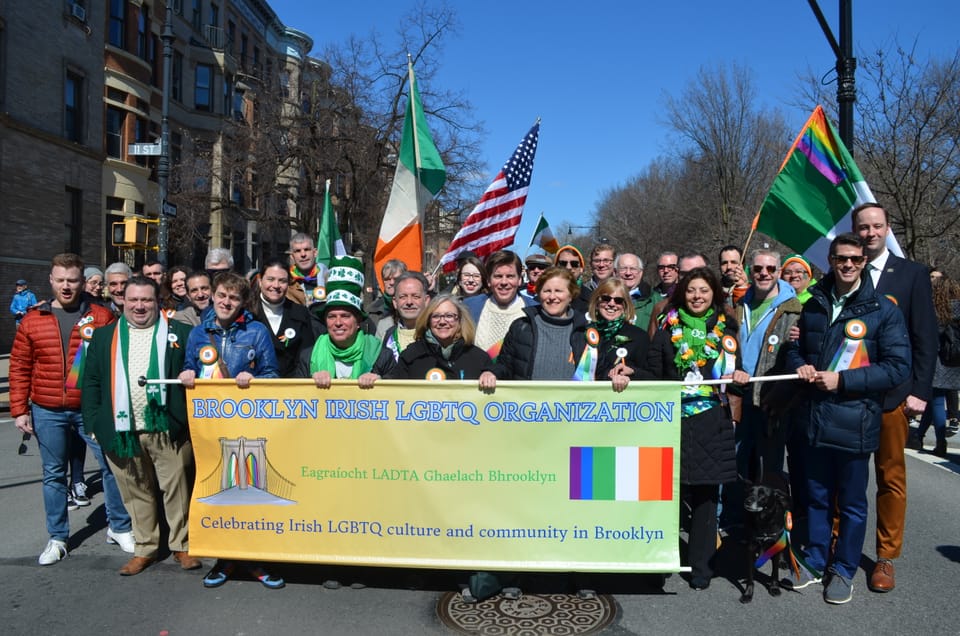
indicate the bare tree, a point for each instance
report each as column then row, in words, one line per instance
column 373, row 77
column 908, row 145
column 706, row 195
column 736, row 145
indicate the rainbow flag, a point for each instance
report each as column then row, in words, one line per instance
column 814, row 193
column 621, row 473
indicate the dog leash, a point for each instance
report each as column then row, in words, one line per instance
column 784, row 543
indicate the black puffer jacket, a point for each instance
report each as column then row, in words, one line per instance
column 636, row 343
column 515, row 361
column 707, row 445
column 422, row 359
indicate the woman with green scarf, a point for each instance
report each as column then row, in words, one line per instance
column 616, row 350
column 698, row 340
column 344, row 352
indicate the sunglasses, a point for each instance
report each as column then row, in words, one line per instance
column 674, row 267
column 536, row 266
column 569, row 264
column 770, row 269
column 839, row 259
column 617, row 300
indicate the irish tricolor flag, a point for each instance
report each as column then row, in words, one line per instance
column 817, row 187
column 420, row 175
column 544, row 238
column 621, row 473
column 329, row 242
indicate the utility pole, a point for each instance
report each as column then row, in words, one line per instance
column 846, row 66
column 163, row 165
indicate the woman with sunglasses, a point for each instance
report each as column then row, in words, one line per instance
column 443, row 345
column 616, row 350
column 545, row 341
column 699, row 341
column 569, row 257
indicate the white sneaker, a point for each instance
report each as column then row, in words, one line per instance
column 55, row 550
column 123, row 539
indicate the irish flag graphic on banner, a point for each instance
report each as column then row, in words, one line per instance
column 621, row 473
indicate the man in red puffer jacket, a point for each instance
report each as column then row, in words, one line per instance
column 45, row 366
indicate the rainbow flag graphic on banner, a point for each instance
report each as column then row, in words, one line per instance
column 621, row 473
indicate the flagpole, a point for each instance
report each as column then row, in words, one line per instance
column 416, row 153
column 536, row 227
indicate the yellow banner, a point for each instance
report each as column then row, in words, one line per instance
column 550, row 476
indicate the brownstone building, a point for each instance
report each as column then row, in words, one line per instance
column 51, row 141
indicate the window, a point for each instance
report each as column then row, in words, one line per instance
column 115, row 118
column 115, row 204
column 176, row 79
column 284, row 78
column 238, row 106
column 202, row 97
column 197, row 15
column 214, row 15
column 143, row 33
column 227, row 93
column 118, row 23
column 231, row 36
column 73, row 220
column 73, row 107
column 256, row 60
column 243, row 51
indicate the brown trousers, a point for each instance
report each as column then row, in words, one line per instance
column 165, row 466
column 891, row 473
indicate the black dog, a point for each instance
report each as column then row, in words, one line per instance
column 766, row 510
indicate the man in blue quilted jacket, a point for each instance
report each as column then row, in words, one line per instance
column 853, row 348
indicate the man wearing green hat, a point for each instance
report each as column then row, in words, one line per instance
column 344, row 351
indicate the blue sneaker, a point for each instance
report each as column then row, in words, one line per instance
column 794, row 581
column 838, row 589
column 268, row 580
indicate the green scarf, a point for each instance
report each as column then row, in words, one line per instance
column 694, row 336
column 361, row 354
column 608, row 329
column 125, row 442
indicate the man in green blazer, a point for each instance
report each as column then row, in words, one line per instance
column 143, row 429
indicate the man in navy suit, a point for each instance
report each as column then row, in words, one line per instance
column 908, row 285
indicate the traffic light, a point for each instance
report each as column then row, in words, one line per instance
column 134, row 232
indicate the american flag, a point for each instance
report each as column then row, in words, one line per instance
column 494, row 221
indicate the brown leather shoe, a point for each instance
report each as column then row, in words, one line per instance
column 136, row 565
column 186, row 561
column 882, row 579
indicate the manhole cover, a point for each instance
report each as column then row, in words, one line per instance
column 530, row 615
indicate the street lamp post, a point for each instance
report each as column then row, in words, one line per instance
column 163, row 165
column 846, row 66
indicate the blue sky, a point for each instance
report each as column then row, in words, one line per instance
column 596, row 72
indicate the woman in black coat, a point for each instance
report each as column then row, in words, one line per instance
column 443, row 345
column 621, row 348
column 292, row 328
column 547, row 340
column 698, row 341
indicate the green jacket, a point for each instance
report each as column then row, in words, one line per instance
column 96, row 400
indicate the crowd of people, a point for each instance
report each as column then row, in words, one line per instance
column 861, row 341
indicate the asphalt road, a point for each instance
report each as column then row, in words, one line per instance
column 83, row 594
